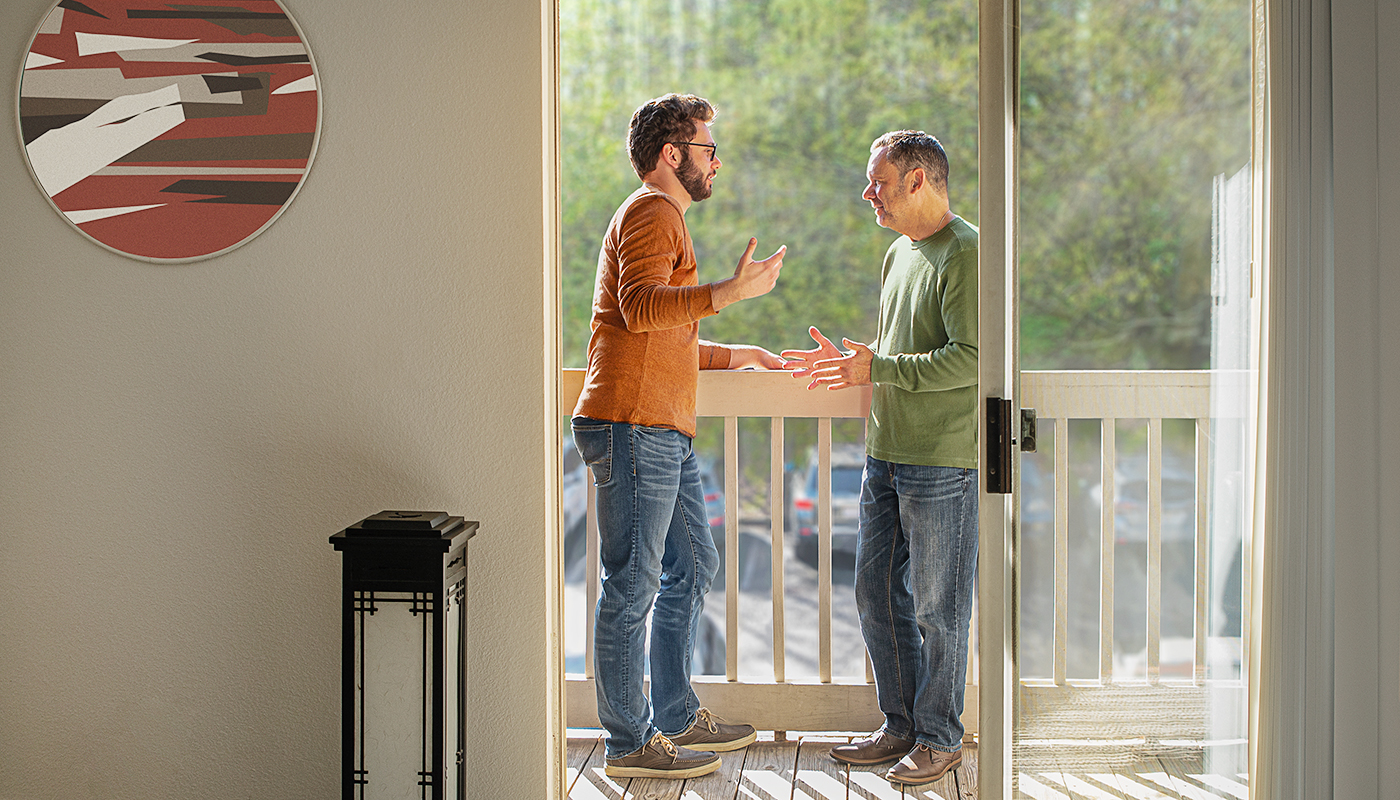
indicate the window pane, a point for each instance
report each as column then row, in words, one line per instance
column 1134, row 164
column 1130, row 109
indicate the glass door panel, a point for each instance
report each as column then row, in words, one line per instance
column 1136, row 339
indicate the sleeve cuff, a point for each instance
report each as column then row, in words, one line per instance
column 881, row 369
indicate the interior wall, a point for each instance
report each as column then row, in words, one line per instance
column 178, row 442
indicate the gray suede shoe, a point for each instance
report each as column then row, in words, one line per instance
column 661, row 759
column 709, row 733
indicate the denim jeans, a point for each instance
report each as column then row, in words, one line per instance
column 658, row 556
column 916, row 561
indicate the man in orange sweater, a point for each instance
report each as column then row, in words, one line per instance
column 634, row 425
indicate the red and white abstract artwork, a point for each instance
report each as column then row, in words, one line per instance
column 169, row 131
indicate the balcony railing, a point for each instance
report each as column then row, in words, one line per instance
column 821, row 701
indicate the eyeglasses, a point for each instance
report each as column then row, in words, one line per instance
column 714, row 149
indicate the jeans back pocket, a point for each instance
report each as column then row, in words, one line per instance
column 594, row 442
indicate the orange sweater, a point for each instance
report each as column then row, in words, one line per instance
column 645, row 353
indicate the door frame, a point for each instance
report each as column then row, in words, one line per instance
column 998, row 349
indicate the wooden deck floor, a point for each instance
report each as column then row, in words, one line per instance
column 801, row 769
column 765, row 770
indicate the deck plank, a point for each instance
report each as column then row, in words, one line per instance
column 819, row 777
column 1189, row 788
column 577, row 754
column 723, row 783
column 1046, row 773
column 1134, row 787
column 966, row 774
column 1107, row 780
column 1083, row 786
column 768, row 771
column 1038, row 787
column 868, row 783
column 591, row 783
column 1225, row 785
column 655, row 789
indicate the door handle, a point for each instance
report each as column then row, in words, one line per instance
column 999, row 441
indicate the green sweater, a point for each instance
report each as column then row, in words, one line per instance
column 924, row 404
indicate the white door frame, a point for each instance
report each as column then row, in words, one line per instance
column 998, row 376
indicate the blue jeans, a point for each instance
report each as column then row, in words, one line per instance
column 916, row 561
column 656, row 551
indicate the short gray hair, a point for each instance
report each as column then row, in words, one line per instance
column 916, row 149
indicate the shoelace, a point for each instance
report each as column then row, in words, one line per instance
column 661, row 741
column 704, row 715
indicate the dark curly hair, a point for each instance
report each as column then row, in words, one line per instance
column 911, row 149
column 669, row 118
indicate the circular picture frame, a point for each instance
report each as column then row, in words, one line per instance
column 169, row 132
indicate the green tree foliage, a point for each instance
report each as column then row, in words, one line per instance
column 1129, row 108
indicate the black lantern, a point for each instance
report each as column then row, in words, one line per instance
column 403, row 667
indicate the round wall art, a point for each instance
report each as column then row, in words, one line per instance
column 169, row 131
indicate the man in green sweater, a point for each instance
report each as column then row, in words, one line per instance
column 916, row 552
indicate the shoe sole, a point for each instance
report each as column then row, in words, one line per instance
column 719, row 747
column 856, row 762
column 655, row 772
column 921, row 781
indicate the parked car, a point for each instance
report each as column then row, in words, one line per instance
column 847, row 466
column 714, row 499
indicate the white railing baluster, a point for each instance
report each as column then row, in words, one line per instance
column 1107, row 538
column 869, row 666
column 1202, row 631
column 972, row 646
column 1154, row 549
column 824, row 549
column 731, row 548
column 593, row 578
column 777, row 495
column 1247, row 559
column 1061, row 637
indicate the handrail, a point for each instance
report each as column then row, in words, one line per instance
column 750, row 393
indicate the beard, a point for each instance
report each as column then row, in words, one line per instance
column 692, row 178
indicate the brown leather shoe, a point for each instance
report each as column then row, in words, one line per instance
column 661, row 759
column 923, row 765
column 878, row 749
column 709, row 733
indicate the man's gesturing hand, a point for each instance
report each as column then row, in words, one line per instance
column 751, row 278
column 804, row 361
column 827, row 366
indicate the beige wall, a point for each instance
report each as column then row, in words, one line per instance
column 178, row 442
